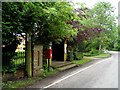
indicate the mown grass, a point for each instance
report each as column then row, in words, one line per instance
column 89, row 58
column 102, row 55
column 82, row 61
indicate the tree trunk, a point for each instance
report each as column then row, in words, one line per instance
column 28, row 55
column 100, row 46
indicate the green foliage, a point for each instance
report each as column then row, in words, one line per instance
column 74, row 55
column 78, row 55
column 116, row 43
column 92, row 52
column 48, row 20
column 104, row 18
column 92, row 44
column 101, row 16
column 11, row 65
column 45, row 20
column 53, row 24
column 9, row 69
column 70, row 55
column 10, row 21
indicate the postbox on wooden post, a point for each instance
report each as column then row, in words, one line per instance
column 49, row 55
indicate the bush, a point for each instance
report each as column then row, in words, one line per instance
column 70, row 55
column 93, row 52
column 9, row 69
column 78, row 55
column 11, row 61
column 7, row 58
column 75, row 55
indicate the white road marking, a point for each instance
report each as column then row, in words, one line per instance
column 73, row 74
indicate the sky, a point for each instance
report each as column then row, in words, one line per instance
column 91, row 3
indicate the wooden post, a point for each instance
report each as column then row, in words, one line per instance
column 65, row 51
column 50, row 62
column 49, row 56
column 48, row 65
column 28, row 55
column 47, row 62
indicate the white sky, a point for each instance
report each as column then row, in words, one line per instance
column 90, row 3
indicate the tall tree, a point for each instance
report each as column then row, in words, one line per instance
column 102, row 16
column 96, row 24
column 102, row 19
column 45, row 21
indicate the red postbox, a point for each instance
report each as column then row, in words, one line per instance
column 49, row 53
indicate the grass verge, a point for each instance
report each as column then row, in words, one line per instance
column 19, row 83
column 103, row 55
column 26, row 81
column 81, row 62
column 89, row 58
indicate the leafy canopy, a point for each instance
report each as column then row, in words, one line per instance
column 45, row 20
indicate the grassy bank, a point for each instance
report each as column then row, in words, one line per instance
column 102, row 55
column 81, row 62
column 19, row 83
column 87, row 59
column 26, row 81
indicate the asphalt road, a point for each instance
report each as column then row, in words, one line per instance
column 102, row 73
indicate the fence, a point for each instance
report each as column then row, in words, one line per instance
column 11, row 61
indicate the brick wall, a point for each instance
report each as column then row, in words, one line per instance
column 37, row 61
